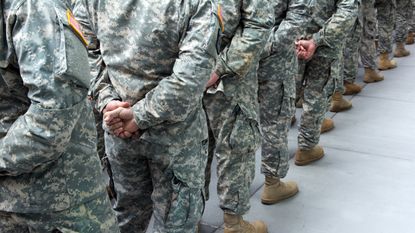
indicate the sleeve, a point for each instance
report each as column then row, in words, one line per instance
column 249, row 39
column 41, row 135
column 298, row 16
column 176, row 96
column 101, row 89
column 339, row 25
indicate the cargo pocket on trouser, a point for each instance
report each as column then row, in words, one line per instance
column 186, row 207
column 245, row 136
column 287, row 109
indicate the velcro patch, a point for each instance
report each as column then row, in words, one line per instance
column 76, row 27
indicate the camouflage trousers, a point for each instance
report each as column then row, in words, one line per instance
column 151, row 178
column 411, row 21
column 276, row 95
column 95, row 216
column 351, row 54
column 318, row 85
column 234, row 139
column 386, row 13
column 403, row 16
column 367, row 45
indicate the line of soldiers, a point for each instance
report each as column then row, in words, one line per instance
column 173, row 85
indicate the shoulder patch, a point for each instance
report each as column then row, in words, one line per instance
column 75, row 26
column 220, row 16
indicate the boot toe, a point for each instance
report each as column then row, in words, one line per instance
column 260, row 226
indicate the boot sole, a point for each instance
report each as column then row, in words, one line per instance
column 269, row 202
column 401, row 55
column 340, row 109
column 306, row 162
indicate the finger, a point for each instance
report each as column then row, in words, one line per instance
column 127, row 134
column 114, row 121
column 115, row 126
column 109, row 116
column 124, row 104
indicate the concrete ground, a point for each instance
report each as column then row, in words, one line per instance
column 365, row 183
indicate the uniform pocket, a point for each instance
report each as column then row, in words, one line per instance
column 71, row 64
column 186, row 205
column 245, row 136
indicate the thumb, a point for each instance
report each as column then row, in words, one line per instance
column 123, row 104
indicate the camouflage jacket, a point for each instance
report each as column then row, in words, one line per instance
column 291, row 20
column 247, row 26
column 156, row 55
column 332, row 23
column 48, row 159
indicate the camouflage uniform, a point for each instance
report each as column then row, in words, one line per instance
column 276, row 80
column 50, row 178
column 332, row 22
column 157, row 56
column 411, row 21
column 350, row 60
column 232, row 107
column 367, row 45
column 386, row 10
column 403, row 14
column 361, row 38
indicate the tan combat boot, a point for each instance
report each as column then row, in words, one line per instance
column 299, row 103
column 338, row 103
column 372, row 76
column 385, row 63
column 304, row 157
column 327, row 125
column 275, row 190
column 235, row 224
column 400, row 50
column 293, row 120
column 351, row 88
column 410, row 38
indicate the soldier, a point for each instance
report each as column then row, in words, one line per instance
column 410, row 39
column 276, row 80
column 403, row 13
column 386, row 10
column 50, row 178
column 156, row 59
column 362, row 36
column 367, row 44
column 332, row 22
column 231, row 106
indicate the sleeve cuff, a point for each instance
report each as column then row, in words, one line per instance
column 140, row 115
column 317, row 39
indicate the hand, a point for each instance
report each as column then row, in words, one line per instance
column 213, row 81
column 305, row 49
column 112, row 105
column 126, row 127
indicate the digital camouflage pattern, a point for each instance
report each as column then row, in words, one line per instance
column 232, row 107
column 276, row 79
column 386, row 14
column 95, row 216
column 332, row 22
column 157, row 56
column 350, row 64
column 48, row 163
column 361, row 41
column 411, row 21
column 47, row 128
column 403, row 16
column 367, row 43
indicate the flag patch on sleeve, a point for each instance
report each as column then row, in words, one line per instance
column 76, row 27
